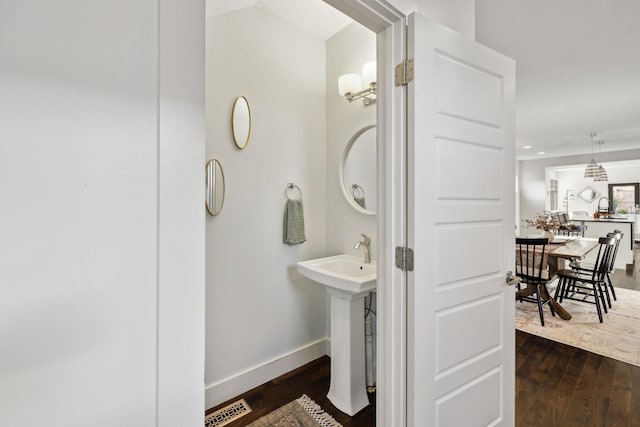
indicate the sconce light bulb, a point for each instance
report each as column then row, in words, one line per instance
column 349, row 83
column 369, row 74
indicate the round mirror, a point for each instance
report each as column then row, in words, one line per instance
column 358, row 176
column 214, row 187
column 241, row 122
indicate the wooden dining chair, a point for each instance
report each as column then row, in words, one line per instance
column 532, row 266
column 587, row 285
column 609, row 290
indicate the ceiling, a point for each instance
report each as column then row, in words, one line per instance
column 578, row 71
column 577, row 62
column 314, row 16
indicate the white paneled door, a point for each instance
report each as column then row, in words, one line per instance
column 461, row 175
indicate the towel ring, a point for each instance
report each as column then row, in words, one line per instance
column 292, row 186
column 355, row 188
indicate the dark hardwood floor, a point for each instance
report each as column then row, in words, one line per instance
column 630, row 277
column 311, row 379
column 556, row 386
column 560, row 385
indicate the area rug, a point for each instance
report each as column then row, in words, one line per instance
column 618, row 337
column 302, row 412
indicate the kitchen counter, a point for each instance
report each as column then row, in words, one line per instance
column 585, row 219
column 599, row 227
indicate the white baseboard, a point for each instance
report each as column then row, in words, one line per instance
column 237, row 384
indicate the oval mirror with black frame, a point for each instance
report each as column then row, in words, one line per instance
column 358, row 171
column 214, row 187
column 241, row 122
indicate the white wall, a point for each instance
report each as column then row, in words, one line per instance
column 574, row 180
column 532, row 179
column 81, row 144
column 259, row 309
column 347, row 52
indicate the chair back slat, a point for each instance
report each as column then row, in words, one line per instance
column 618, row 236
column 532, row 260
column 603, row 259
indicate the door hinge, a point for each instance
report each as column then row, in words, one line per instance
column 404, row 72
column 404, row 258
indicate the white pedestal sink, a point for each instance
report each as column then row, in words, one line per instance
column 348, row 280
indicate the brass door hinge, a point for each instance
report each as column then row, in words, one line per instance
column 404, row 72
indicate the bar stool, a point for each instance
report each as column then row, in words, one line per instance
column 568, row 229
column 576, row 230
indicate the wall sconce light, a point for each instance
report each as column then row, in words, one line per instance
column 568, row 196
column 351, row 85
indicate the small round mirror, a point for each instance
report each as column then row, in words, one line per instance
column 214, row 187
column 241, row 122
column 358, row 176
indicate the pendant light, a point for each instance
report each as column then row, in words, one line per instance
column 601, row 174
column 592, row 170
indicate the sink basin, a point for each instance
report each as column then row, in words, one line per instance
column 343, row 272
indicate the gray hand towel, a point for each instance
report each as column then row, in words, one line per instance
column 293, row 233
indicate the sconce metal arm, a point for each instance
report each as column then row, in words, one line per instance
column 367, row 95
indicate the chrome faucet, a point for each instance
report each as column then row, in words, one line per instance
column 366, row 244
column 601, row 209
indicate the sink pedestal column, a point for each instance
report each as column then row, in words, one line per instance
column 348, row 390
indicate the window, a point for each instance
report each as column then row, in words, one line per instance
column 623, row 197
column 553, row 194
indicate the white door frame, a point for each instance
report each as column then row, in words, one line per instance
column 176, row 384
column 390, row 26
column 180, row 215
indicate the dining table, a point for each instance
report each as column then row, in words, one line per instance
column 562, row 249
column 559, row 250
